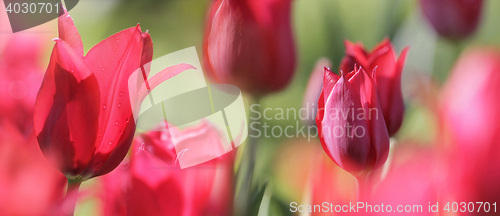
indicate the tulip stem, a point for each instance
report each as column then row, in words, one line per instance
column 363, row 188
column 244, row 196
column 72, row 190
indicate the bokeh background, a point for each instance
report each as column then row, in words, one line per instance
column 320, row 28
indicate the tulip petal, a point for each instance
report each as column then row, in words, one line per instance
column 329, row 81
column 69, row 33
column 113, row 60
column 66, row 104
column 348, row 146
column 355, row 54
column 379, row 137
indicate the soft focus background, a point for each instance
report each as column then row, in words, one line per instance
column 320, row 27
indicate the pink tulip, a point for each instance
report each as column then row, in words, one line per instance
column 152, row 183
column 415, row 179
column 249, row 43
column 471, row 123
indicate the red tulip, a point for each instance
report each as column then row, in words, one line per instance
column 152, row 183
column 453, row 19
column 469, row 114
column 350, row 123
column 249, row 44
column 387, row 77
column 83, row 113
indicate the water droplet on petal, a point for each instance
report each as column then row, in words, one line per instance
column 72, row 71
column 117, row 40
column 102, row 69
column 121, row 93
column 127, row 120
column 116, row 123
column 142, row 146
column 114, row 49
column 110, row 142
column 172, row 75
column 119, row 105
column 104, row 107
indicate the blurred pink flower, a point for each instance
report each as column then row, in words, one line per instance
column 470, row 116
column 29, row 185
column 453, row 19
column 387, row 76
column 152, row 183
column 416, row 177
column 249, row 43
column 20, row 78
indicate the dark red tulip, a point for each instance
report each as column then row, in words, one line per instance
column 83, row 113
column 152, row 182
column 350, row 122
column 471, row 122
column 387, row 77
column 454, row 19
column 249, row 43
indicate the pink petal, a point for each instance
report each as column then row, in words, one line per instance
column 69, row 33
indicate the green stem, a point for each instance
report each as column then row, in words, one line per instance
column 363, row 188
column 73, row 187
column 243, row 198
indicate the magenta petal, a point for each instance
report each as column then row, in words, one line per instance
column 348, row 147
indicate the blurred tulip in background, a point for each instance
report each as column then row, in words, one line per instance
column 250, row 44
column 469, row 113
column 453, row 19
column 152, row 182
